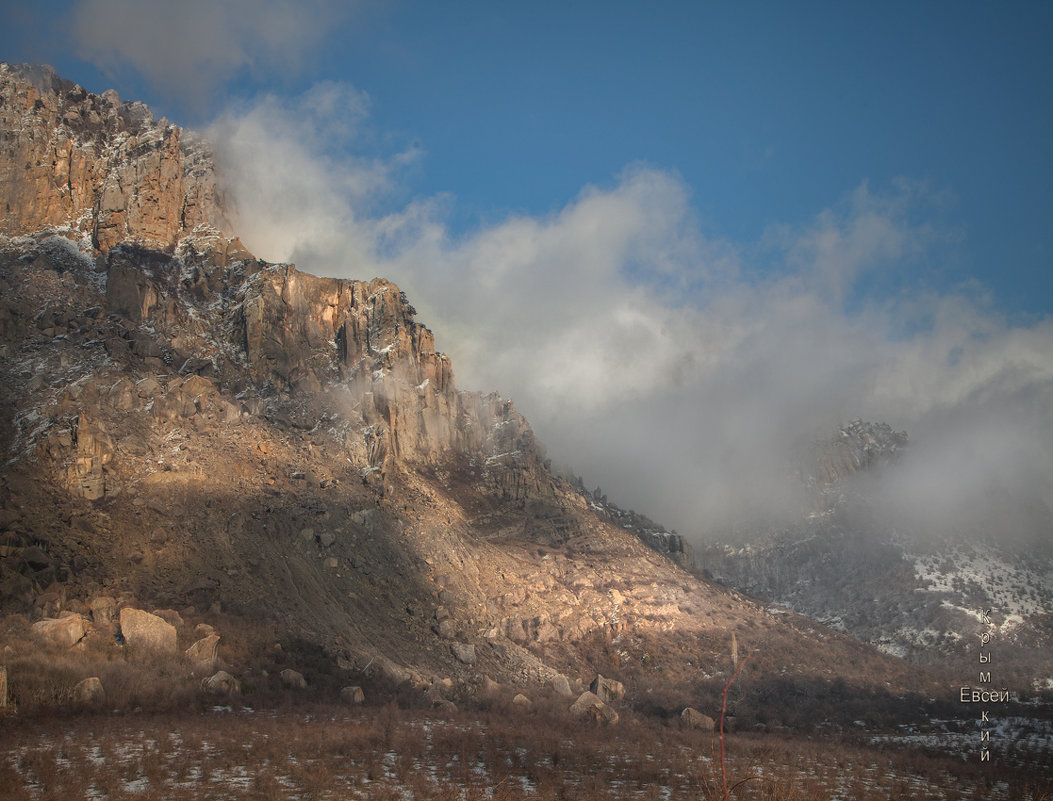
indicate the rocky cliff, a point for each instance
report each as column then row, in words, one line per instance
column 97, row 166
column 187, row 425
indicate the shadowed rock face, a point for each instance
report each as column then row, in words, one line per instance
column 189, row 425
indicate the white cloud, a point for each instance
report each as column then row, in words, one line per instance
column 191, row 48
column 635, row 345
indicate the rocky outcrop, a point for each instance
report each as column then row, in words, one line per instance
column 102, row 168
column 857, row 447
column 607, row 689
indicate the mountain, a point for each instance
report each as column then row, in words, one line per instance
column 286, row 459
column 912, row 581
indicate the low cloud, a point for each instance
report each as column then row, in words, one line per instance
column 681, row 373
column 190, row 49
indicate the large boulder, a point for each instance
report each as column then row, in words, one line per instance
column 560, row 685
column 464, row 652
column 143, row 631
column 693, row 719
column 221, row 683
column 103, row 610
column 588, row 706
column 203, row 653
column 3, row 686
column 293, row 679
column 353, row 696
column 63, row 631
column 89, row 692
column 607, row 689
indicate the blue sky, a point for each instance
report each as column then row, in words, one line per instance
column 769, row 111
column 680, row 235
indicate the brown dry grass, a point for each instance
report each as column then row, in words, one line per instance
column 324, row 752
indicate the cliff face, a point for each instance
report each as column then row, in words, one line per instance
column 105, row 169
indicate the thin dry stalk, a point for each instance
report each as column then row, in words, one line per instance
column 723, row 709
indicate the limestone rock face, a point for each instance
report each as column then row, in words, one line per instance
column 142, row 630
column 103, row 168
column 94, row 449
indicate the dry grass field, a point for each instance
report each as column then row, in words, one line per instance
column 387, row 752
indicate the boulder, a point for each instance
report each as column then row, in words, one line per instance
column 353, row 696
column 607, row 689
column 3, row 686
column 693, row 719
column 202, row 654
column 89, row 692
column 147, row 632
column 63, row 632
column 463, row 652
column 438, row 689
column 445, row 629
column 103, row 610
column 522, row 702
column 221, row 683
column 487, row 688
column 560, row 685
column 590, row 707
column 293, row 679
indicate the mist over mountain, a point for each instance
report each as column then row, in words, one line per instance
column 701, row 380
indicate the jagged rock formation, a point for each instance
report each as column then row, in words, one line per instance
column 187, row 424
column 858, row 446
column 104, row 168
